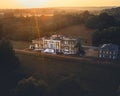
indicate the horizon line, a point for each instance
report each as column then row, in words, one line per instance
column 61, row 7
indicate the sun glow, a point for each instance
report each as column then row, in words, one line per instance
column 32, row 3
column 56, row 3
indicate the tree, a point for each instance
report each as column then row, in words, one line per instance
column 69, row 87
column 84, row 16
column 100, row 21
column 9, row 63
column 80, row 50
column 31, row 87
column 109, row 35
column 7, row 55
column 1, row 31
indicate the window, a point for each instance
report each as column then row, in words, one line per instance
column 103, row 56
column 51, row 45
column 114, row 52
column 36, row 45
column 107, row 52
column 100, row 51
column 57, row 45
column 104, row 52
column 72, row 42
column 45, row 42
column 100, row 56
column 66, row 42
column 110, row 56
column 114, row 57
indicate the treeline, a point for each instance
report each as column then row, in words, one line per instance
column 114, row 12
column 28, row 28
column 107, row 35
column 107, row 28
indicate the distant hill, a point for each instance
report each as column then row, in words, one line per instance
column 78, row 30
column 84, row 8
column 113, row 11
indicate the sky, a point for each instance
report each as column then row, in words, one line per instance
column 56, row 3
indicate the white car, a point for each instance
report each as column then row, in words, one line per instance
column 52, row 51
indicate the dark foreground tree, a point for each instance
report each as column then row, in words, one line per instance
column 8, row 65
column 31, row 87
column 1, row 30
column 69, row 87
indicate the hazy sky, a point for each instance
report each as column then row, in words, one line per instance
column 56, row 3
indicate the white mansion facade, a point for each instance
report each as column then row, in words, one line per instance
column 58, row 43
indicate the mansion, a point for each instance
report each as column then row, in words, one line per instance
column 55, row 44
column 59, row 44
column 109, row 51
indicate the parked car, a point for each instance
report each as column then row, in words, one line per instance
column 52, row 51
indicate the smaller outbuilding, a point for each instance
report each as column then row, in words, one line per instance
column 108, row 51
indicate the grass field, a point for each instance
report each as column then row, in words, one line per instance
column 74, row 31
column 97, row 78
column 78, row 30
column 20, row 44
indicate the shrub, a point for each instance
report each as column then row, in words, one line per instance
column 31, row 87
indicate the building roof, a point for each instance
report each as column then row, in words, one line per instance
column 109, row 46
column 54, row 37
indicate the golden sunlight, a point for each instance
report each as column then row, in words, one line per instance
column 56, row 3
column 32, row 3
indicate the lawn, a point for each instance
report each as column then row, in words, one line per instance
column 78, row 30
column 20, row 44
column 97, row 78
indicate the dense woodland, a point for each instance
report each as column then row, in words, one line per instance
column 27, row 28
column 107, row 25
